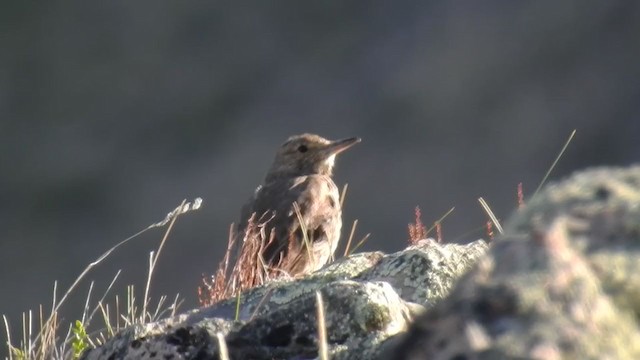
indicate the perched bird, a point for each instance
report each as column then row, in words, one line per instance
column 299, row 204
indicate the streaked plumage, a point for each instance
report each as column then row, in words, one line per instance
column 300, row 173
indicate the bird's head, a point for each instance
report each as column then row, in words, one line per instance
column 307, row 154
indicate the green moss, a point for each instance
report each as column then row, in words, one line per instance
column 377, row 317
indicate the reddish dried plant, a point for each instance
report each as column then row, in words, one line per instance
column 490, row 230
column 438, row 232
column 249, row 269
column 520, row 196
column 417, row 230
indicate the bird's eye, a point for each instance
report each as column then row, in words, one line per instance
column 303, row 148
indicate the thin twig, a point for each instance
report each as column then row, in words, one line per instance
column 6, row 328
column 222, row 347
column 154, row 260
column 343, row 194
column 238, row 297
column 435, row 223
column 104, row 295
column 323, row 347
column 353, row 230
column 491, row 215
column 544, row 179
column 303, row 229
column 361, row 242
column 85, row 310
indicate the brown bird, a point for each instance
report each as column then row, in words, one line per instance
column 304, row 239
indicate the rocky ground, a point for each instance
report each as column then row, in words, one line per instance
column 562, row 282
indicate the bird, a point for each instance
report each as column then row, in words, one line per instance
column 298, row 204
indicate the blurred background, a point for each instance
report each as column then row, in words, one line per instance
column 112, row 113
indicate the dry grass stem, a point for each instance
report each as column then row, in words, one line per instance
column 154, row 259
column 249, row 268
column 45, row 343
column 439, row 221
column 555, row 162
column 491, row 215
column 353, row 230
column 323, row 347
column 361, row 242
column 343, row 195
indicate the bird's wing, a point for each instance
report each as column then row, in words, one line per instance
column 316, row 198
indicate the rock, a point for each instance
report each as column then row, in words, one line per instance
column 562, row 283
column 368, row 298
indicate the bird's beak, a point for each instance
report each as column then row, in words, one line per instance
column 339, row 146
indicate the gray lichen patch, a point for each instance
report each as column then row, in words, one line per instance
column 425, row 272
column 349, row 267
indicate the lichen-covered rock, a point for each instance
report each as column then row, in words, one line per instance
column 602, row 207
column 358, row 315
column 167, row 339
column 367, row 297
column 425, row 277
column 562, row 283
